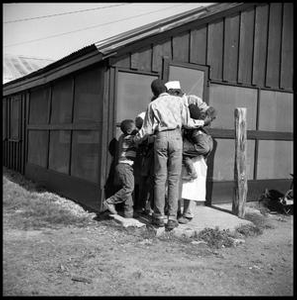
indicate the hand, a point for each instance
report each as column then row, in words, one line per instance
column 207, row 120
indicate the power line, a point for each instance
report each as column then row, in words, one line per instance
column 65, row 13
column 95, row 26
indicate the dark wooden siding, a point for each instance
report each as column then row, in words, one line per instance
column 252, row 47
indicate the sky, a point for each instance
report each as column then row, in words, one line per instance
column 54, row 30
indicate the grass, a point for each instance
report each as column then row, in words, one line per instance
column 30, row 207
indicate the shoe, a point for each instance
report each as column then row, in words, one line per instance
column 184, row 220
column 171, row 224
column 110, row 207
column 158, row 222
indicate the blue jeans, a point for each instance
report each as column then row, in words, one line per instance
column 168, row 165
column 203, row 146
column 126, row 179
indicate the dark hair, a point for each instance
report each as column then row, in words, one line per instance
column 175, row 92
column 158, row 87
column 127, row 126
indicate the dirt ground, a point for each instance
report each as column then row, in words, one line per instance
column 105, row 259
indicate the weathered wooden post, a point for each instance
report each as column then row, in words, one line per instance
column 240, row 176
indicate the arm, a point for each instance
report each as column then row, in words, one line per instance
column 187, row 121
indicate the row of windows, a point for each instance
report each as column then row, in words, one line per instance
column 81, row 162
column 75, row 99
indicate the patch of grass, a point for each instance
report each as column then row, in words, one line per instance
column 26, row 207
column 216, row 238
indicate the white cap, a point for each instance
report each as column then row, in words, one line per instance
column 173, row 85
column 141, row 115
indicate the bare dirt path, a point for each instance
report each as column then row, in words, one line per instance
column 104, row 259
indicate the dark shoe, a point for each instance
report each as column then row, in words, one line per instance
column 171, row 224
column 128, row 214
column 110, row 207
column 184, row 220
column 158, row 222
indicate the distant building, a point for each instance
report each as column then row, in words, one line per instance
column 17, row 66
column 58, row 122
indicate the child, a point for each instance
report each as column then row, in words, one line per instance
column 197, row 141
column 144, row 201
column 124, row 170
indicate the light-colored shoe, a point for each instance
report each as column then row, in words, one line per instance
column 110, row 207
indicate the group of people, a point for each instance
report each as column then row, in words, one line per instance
column 161, row 140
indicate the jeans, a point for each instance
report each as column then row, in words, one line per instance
column 126, row 180
column 168, row 165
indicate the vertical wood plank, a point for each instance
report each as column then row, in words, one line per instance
column 260, row 45
column 246, row 45
column 144, row 60
column 286, row 80
column 240, row 175
column 215, row 50
column 180, row 46
column 124, row 62
column 198, row 46
column 231, row 38
column 159, row 51
column 274, row 45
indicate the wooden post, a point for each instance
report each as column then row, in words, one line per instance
column 240, row 176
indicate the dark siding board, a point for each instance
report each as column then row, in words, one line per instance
column 215, row 50
column 198, row 46
column 274, row 45
column 246, row 44
column 160, row 51
column 124, row 62
column 286, row 81
column 260, row 46
column 142, row 60
column 231, row 38
column 180, row 45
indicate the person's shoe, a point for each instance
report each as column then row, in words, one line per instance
column 158, row 222
column 171, row 224
column 184, row 220
column 110, row 207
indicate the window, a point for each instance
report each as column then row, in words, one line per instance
column 133, row 94
column 62, row 102
column 276, row 111
column 39, row 106
column 87, row 102
column 226, row 98
column 224, row 159
column 37, row 147
column 193, row 81
column 59, row 151
column 275, row 159
column 15, row 118
column 85, row 150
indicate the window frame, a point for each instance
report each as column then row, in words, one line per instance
column 204, row 68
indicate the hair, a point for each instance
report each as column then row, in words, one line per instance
column 175, row 92
column 127, row 126
column 138, row 122
column 195, row 112
column 158, row 87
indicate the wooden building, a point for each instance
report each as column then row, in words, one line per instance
column 58, row 122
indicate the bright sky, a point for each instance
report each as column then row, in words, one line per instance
column 55, row 30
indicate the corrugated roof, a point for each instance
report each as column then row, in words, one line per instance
column 109, row 47
column 16, row 66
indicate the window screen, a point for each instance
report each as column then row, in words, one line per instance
column 133, row 94
column 62, row 102
column 226, row 98
column 15, row 118
column 191, row 80
column 224, row 158
column 37, row 147
column 85, row 149
column 276, row 111
column 87, row 103
column 59, row 151
column 275, row 159
column 39, row 106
